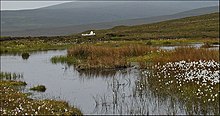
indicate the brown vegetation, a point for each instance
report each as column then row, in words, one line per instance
column 188, row 54
column 107, row 57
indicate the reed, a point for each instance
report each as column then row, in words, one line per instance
column 63, row 59
column 107, row 56
column 188, row 54
column 39, row 88
column 10, row 76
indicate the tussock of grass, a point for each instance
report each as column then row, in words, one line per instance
column 40, row 88
column 107, row 57
column 25, row 55
column 188, row 54
column 63, row 59
column 178, row 54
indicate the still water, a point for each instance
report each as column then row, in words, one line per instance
column 61, row 81
column 102, row 92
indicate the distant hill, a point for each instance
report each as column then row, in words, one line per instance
column 194, row 27
column 70, row 18
column 203, row 26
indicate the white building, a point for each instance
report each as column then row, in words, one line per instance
column 90, row 34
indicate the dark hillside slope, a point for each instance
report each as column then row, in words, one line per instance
column 203, row 26
column 76, row 17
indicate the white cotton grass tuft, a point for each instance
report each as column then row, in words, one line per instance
column 201, row 76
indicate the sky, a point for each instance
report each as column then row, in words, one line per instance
column 21, row 5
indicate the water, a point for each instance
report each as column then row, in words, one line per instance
column 61, row 82
column 103, row 92
column 196, row 45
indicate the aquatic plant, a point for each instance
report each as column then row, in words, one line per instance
column 196, row 83
column 14, row 102
column 25, row 55
column 63, row 59
column 10, row 76
column 40, row 88
column 91, row 56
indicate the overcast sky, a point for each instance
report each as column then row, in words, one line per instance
column 18, row 5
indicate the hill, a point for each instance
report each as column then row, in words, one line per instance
column 76, row 17
column 203, row 26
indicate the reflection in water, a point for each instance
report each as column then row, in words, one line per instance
column 95, row 73
column 149, row 96
column 134, row 97
column 196, row 45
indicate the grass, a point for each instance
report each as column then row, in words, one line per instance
column 188, row 83
column 3, row 37
column 112, row 55
column 10, row 76
column 13, row 83
column 64, row 59
column 178, row 54
column 95, row 57
column 24, row 46
column 204, row 28
column 39, row 88
column 188, row 54
column 14, row 102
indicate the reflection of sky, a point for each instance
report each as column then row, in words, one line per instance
column 19, row 5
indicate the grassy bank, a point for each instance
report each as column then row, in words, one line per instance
column 14, row 102
column 204, row 26
column 178, row 54
column 22, row 46
column 120, row 55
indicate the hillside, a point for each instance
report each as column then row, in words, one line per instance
column 75, row 17
column 203, row 26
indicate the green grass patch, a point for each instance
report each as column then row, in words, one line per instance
column 204, row 28
column 197, row 27
column 39, row 88
column 31, row 45
column 64, row 59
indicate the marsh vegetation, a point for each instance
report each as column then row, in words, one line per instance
column 122, row 70
column 39, row 88
column 14, row 102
